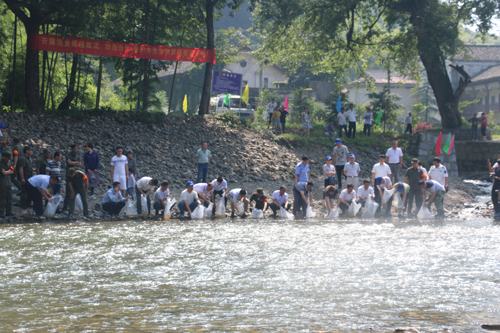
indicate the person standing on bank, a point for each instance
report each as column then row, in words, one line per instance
column 280, row 199
column 439, row 173
column 203, row 156
column 131, row 164
column 277, row 121
column 351, row 171
column 394, row 157
column 284, row 114
column 144, row 187
column 380, row 169
column 351, row 116
column 25, row 172
column 78, row 183
column 302, row 170
column 408, row 121
column 270, row 109
column 341, row 121
column 4, row 139
column 340, row 154
column 306, row 121
column 474, row 121
column 41, row 164
column 91, row 162
column 54, row 169
column 72, row 161
column 329, row 172
column 119, row 170
column 367, row 128
column 412, row 177
column 484, row 125
column 300, row 192
column 17, row 152
column 6, row 170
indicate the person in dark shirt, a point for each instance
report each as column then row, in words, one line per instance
column 260, row 200
column 284, row 114
column 474, row 122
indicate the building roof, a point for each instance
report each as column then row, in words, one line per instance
column 480, row 53
column 490, row 73
column 380, row 77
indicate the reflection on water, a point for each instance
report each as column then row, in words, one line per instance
column 249, row 276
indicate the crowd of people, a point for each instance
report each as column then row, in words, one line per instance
column 43, row 180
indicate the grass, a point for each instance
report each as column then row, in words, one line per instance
column 495, row 136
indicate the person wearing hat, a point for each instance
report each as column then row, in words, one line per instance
column 6, row 170
column 203, row 156
column 439, row 173
column 330, row 130
column 351, row 117
column 189, row 200
column 238, row 195
column 161, row 197
column 340, row 156
column 41, row 164
column 260, row 200
column 381, row 169
column 17, row 152
column 341, row 121
column 302, row 170
column 405, row 189
column 78, row 183
column 119, row 169
column 4, row 138
column 280, row 199
column 412, row 177
column 368, row 121
column 37, row 187
column 113, row 201
column 329, row 172
column 381, row 185
column 301, row 192
column 351, row 171
column 364, row 192
column 346, row 198
column 91, row 162
column 437, row 192
column 25, row 172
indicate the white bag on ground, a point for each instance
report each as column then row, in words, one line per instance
column 333, row 214
column 78, row 204
column 309, row 211
column 285, row 214
column 424, row 213
column 144, row 205
column 240, row 207
column 52, row 206
column 370, row 209
column 166, row 212
column 257, row 213
column 220, row 210
column 354, row 208
column 208, row 211
column 130, row 210
column 197, row 214
column 387, row 195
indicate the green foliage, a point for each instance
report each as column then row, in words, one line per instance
column 386, row 101
column 299, row 102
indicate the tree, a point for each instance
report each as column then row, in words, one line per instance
column 339, row 36
column 386, row 101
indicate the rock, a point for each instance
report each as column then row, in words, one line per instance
column 406, row 330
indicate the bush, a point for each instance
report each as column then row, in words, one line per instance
column 422, row 127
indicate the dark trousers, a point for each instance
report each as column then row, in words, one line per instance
column 339, row 169
column 352, row 129
column 378, row 199
column 182, row 207
column 414, row 193
column 113, row 208
column 473, row 131
column 367, row 129
column 343, row 207
column 408, row 129
column 270, row 119
column 14, row 178
column 283, row 123
column 340, row 130
column 275, row 208
column 202, row 172
column 36, row 196
column 157, row 205
column 494, row 196
column 298, row 202
column 362, row 202
column 138, row 202
column 25, row 199
column 67, row 196
column 5, row 200
column 394, row 172
column 72, row 201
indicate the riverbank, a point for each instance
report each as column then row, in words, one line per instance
column 165, row 150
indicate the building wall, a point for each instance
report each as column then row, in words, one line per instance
column 359, row 95
column 489, row 98
column 472, row 68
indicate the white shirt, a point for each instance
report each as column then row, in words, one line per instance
column 438, row 174
column 40, row 181
column 143, row 184
column 159, row 194
column 369, row 120
column 280, row 199
column 351, row 115
column 235, row 194
column 386, row 185
column 393, row 155
column 347, row 196
column 270, row 107
column 435, row 187
column 365, row 193
column 381, row 170
column 201, row 187
column 119, row 163
column 189, row 197
column 408, row 120
column 218, row 187
column 341, row 116
column 352, row 170
column 424, row 171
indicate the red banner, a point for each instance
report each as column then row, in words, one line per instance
column 113, row 49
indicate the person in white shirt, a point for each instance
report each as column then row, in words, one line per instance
column 220, row 189
column 351, row 116
column 341, row 121
column 381, row 185
column 439, row 173
column 280, row 199
column 395, row 160
column 235, row 196
column 162, row 194
column 368, row 121
column 346, row 198
column 204, row 190
column 119, row 169
column 365, row 191
column 351, row 171
column 189, row 200
column 408, row 121
column 144, row 187
column 423, row 170
column 437, row 192
column 380, row 169
column 270, row 108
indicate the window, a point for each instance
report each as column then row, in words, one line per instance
column 493, row 99
column 266, row 82
column 244, row 83
column 221, row 100
column 243, row 63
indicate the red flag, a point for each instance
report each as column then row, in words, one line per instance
column 286, row 103
column 438, row 144
column 451, row 144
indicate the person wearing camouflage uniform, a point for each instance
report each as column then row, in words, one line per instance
column 17, row 152
column 6, row 170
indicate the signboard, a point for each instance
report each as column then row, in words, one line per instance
column 226, row 83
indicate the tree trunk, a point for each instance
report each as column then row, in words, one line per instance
column 99, row 82
column 64, row 105
column 31, row 70
column 205, row 97
column 145, row 94
column 12, row 107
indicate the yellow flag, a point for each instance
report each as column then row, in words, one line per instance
column 185, row 104
column 246, row 95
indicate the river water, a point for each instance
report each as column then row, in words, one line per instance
column 345, row 276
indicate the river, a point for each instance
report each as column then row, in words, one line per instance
column 345, row 276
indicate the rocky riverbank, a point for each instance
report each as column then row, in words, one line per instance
column 166, row 151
